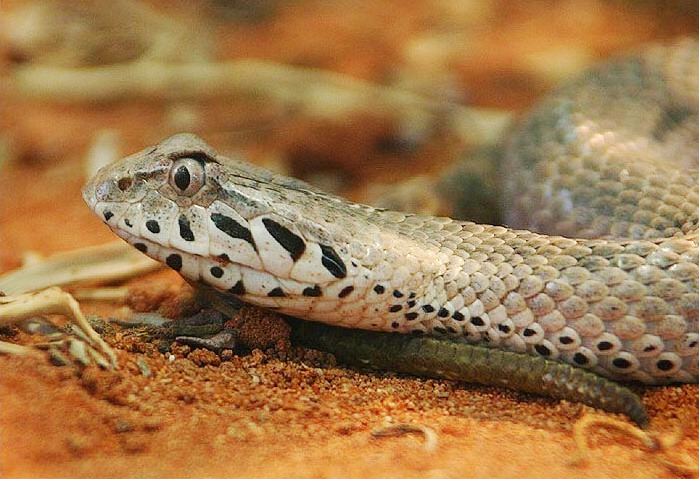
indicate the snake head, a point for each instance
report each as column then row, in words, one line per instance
column 269, row 239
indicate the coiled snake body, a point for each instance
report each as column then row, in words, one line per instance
column 609, row 163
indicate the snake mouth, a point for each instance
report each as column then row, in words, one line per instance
column 253, row 286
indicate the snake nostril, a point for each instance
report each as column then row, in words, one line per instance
column 124, row 184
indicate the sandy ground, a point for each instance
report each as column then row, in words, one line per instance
column 267, row 414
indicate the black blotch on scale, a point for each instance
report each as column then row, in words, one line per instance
column 378, row 289
column 333, row 262
column 185, row 230
column 107, row 215
column 346, row 291
column 291, row 242
column 664, row 365
column 621, row 363
column 411, row 316
column 542, row 350
column 313, row 292
column 141, row 247
column 153, row 226
column 174, row 261
column 395, row 308
column 216, row 272
column 237, row 288
column 277, row 293
column 580, row 358
column 127, row 222
column 232, row 228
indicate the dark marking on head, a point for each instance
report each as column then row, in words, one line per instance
column 127, row 222
column 458, row 316
column 313, row 292
column 443, row 313
column 346, row 291
column 216, row 272
column 141, row 247
column 528, row 332
column 621, row 363
column 543, row 350
column 504, row 328
column 153, row 226
column 411, row 296
column 333, row 262
column 378, row 289
column 410, row 303
column 185, row 230
column 291, row 242
column 277, row 293
column 174, row 261
column 428, row 308
column 395, row 308
column 108, row 215
column 397, row 293
column 224, row 258
column 395, row 324
column 237, row 288
column 411, row 316
column 232, row 228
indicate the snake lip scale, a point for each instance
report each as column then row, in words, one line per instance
column 607, row 164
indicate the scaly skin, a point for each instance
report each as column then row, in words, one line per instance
column 613, row 151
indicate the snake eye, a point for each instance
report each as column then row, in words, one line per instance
column 187, row 176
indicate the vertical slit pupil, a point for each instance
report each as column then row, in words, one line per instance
column 182, row 178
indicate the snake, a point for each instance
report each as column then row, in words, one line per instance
column 593, row 282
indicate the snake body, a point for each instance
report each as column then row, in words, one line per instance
column 608, row 162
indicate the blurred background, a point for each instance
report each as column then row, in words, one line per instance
column 345, row 94
column 359, row 97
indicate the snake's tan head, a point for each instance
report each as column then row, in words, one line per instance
column 228, row 224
